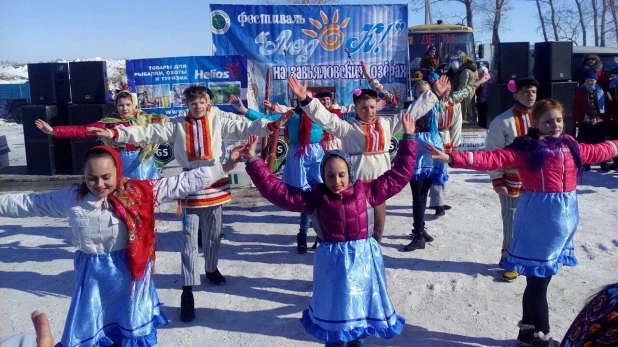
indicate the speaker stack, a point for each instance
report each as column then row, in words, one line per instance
column 552, row 68
column 51, row 85
column 89, row 86
column 50, row 94
column 512, row 63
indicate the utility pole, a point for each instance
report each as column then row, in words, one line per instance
column 428, row 16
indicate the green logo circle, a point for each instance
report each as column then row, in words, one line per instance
column 220, row 22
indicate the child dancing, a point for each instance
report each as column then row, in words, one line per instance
column 350, row 298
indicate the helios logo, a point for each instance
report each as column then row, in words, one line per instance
column 219, row 22
column 201, row 74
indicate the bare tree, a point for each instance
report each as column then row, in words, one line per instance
column 554, row 25
column 542, row 19
column 494, row 12
column 602, row 28
column 595, row 16
column 582, row 24
column 613, row 10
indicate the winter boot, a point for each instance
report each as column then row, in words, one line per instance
column 187, row 306
column 426, row 236
column 440, row 211
column 418, row 242
column 543, row 340
column 509, row 276
column 318, row 240
column 216, row 278
column 301, row 243
column 356, row 343
column 526, row 334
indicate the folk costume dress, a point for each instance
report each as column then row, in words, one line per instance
column 547, row 212
column 114, row 300
column 350, row 297
column 137, row 160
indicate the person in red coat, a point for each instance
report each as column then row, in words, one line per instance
column 589, row 113
column 593, row 62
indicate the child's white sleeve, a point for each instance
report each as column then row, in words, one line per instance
column 417, row 109
column 188, row 182
column 240, row 129
column 157, row 133
column 330, row 122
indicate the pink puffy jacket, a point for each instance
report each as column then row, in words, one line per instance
column 342, row 217
column 558, row 174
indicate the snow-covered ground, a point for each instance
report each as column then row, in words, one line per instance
column 448, row 293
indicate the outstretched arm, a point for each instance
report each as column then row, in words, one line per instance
column 67, row 131
column 375, row 85
column 480, row 161
column 52, row 204
column 150, row 134
column 188, row 182
column 596, row 153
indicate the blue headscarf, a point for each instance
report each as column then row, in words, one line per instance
column 341, row 154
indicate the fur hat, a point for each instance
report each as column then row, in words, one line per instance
column 360, row 92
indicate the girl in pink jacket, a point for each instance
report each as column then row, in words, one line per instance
column 350, row 299
column 548, row 163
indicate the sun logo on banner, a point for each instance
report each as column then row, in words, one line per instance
column 331, row 37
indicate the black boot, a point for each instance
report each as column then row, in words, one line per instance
column 526, row 335
column 418, row 242
column 427, row 237
column 187, row 306
column 301, row 242
column 318, row 240
column 216, row 278
column 356, row 343
column 440, row 211
column 604, row 167
column 614, row 166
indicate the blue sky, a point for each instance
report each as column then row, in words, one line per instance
column 44, row 30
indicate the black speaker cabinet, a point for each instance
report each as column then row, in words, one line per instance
column 46, row 155
column 89, row 82
column 49, row 83
column 512, row 61
column 563, row 92
column 89, row 113
column 79, row 147
column 499, row 99
column 552, row 61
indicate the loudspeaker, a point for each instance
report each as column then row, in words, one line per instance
column 46, row 155
column 499, row 99
column 49, row 83
column 552, row 61
column 85, row 114
column 563, row 92
column 512, row 60
column 89, row 82
column 79, row 147
column 89, row 113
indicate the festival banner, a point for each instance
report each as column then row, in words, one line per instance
column 323, row 44
column 160, row 82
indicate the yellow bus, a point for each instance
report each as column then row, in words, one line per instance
column 452, row 42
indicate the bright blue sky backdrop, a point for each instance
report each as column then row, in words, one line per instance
column 44, row 30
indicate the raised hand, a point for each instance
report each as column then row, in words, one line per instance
column 299, row 89
column 284, row 118
column 437, row 154
column 441, row 85
column 237, row 104
column 99, row 132
column 365, row 71
column 234, row 158
column 381, row 105
column 407, row 121
column 250, row 146
column 44, row 127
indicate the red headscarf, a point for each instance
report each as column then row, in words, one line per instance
column 133, row 202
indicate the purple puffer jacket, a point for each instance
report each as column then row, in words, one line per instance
column 338, row 217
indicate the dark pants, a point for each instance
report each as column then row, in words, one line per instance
column 305, row 223
column 535, row 309
column 420, row 190
column 353, row 343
